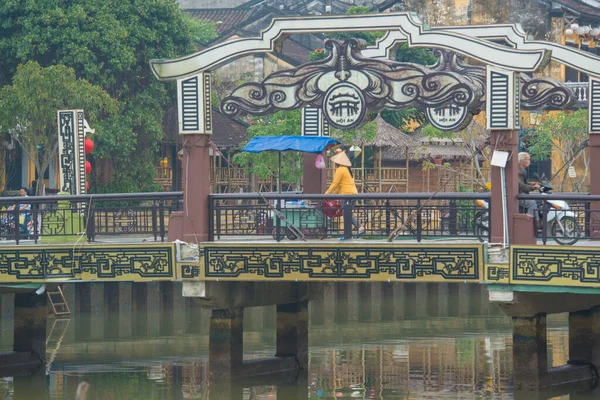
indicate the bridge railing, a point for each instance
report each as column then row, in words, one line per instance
column 566, row 223
column 439, row 215
column 55, row 218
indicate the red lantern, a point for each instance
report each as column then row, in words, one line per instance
column 88, row 145
column 87, row 186
column 88, row 167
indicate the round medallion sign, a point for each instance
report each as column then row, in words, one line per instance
column 450, row 118
column 344, row 106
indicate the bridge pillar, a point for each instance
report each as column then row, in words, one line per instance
column 29, row 336
column 365, row 295
column 528, row 311
column 226, row 343
column 292, row 332
column 520, row 229
column 191, row 224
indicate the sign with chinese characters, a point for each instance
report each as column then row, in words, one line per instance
column 71, row 136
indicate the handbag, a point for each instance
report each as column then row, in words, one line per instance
column 332, row 208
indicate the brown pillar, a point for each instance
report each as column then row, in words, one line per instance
column 191, row 224
column 529, row 352
column 292, row 332
column 314, row 179
column 594, row 145
column 505, row 141
column 226, row 345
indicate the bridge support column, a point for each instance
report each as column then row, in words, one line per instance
column 226, row 345
column 529, row 351
column 528, row 311
column 29, row 336
column 365, row 295
column 292, row 332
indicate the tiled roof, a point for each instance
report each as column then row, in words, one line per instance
column 225, row 18
column 581, row 7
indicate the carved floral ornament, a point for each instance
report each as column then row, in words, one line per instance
column 346, row 85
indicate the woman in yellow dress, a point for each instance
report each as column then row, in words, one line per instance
column 343, row 182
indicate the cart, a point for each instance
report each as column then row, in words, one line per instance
column 308, row 218
column 297, row 218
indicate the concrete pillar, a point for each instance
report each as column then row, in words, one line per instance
column 410, row 297
column 529, row 351
column 364, row 301
column 341, row 302
column 422, row 295
column 125, row 309
column 376, row 301
column 584, row 336
column 387, row 301
column 30, row 323
column 443, row 299
column 166, row 308
column 314, row 179
column 191, row 225
column 178, row 309
column 97, row 309
column 464, row 296
column 225, row 343
column 317, row 308
column 292, row 332
column 153, row 311
column 7, row 319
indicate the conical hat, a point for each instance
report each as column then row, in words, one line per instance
column 341, row 159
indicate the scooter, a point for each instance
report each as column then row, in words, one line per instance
column 561, row 221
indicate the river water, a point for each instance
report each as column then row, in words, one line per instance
column 430, row 342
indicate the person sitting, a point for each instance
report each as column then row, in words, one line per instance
column 530, row 206
column 343, row 182
column 24, row 216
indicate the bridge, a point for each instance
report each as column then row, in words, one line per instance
column 254, row 259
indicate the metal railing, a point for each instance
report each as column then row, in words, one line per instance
column 49, row 218
column 252, row 215
column 566, row 223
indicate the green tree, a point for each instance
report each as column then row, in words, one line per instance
column 564, row 134
column 28, row 108
column 108, row 43
column 265, row 164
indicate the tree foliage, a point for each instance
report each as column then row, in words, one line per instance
column 564, row 134
column 109, row 43
column 265, row 164
column 28, row 108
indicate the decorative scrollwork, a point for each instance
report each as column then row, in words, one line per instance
column 539, row 93
column 383, row 84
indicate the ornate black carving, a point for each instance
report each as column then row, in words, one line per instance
column 347, row 263
column 382, row 84
column 539, row 93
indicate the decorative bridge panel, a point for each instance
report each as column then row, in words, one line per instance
column 88, row 262
column 555, row 265
column 341, row 262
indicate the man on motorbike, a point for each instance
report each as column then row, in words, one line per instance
column 530, row 206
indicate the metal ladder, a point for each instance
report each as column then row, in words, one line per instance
column 58, row 302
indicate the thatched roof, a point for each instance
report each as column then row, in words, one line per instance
column 389, row 136
column 426, row 147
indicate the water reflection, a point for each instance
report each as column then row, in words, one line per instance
column 405, row 341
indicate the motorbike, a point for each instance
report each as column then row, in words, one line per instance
column 561, row 222
column 8, row 225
